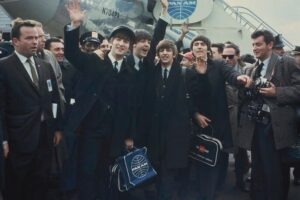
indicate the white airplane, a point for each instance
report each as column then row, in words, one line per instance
column 213, row 18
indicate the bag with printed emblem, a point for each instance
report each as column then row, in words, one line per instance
column 132, row 169
column 205, row 148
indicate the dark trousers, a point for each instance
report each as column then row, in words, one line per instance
column 165, row 185
column 90, row 167
column 68, row 181
column 166, row 182
column 27, row 173
column 242, row 165
column 268, row 172
column 208, row 178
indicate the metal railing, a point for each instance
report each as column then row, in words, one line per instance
column 251, row 21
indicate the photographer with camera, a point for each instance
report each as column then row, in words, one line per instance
column 267, row 117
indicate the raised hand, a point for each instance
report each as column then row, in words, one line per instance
column 184, row 28
column 75, row 13
column 164, row 5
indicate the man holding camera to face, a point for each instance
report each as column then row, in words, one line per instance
column 268, row 118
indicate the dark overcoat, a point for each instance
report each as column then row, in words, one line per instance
column 142, row 79
column 168, row 139
column 100, row 85
column 212, row 101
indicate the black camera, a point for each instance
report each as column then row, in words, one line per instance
column 259, row 112
column 262, row 82
column 253, row 92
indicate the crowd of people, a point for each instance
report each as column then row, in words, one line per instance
column 71, row 105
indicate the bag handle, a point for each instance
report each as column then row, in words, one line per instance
column 212, row 130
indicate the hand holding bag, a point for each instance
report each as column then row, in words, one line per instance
column 204, row 148
column 132, row 169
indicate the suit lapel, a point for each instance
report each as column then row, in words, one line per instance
column 158, row 80
column 252, row 75
column 130, row 61
column 270, row 70
column 172, row 81
column 38, row 65
column 125, row 66
column 20, row 67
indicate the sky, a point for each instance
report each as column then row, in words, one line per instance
column 282, row 15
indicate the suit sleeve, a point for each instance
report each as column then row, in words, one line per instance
column 179, row 44
column 74, row 55
column 56, row 99
column 158, row 35
column 58, row 75
column 290, row 94
column 192, row 90
column 2, row 108
column 229, row 74
column 3, row 133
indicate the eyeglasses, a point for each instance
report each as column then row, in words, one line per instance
column 228, row 56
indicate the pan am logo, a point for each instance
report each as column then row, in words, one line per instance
column 139, row 166
column 181, row 9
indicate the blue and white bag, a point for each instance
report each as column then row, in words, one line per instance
column 132, row 169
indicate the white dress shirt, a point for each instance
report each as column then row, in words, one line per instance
column 23, row 60
column 112, row 59
column 163, row 70
column 265, row 67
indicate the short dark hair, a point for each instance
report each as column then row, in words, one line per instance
column 219, row 46
column 141, row 34
column 122, row 35
column 17, row 25
column 206, row 41
column 268, row 36
column 166, row 44
column 49, row 41
column 228, row 42
column 235, row 47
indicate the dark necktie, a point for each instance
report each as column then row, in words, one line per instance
column 165, row 76
column 115, row 68
column 33, row 73
column 258, row 70
column 140, row 64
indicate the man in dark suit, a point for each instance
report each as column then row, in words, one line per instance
column 103, row 100
column 231, row 55
column 272, row 125
column 168, row 138
column 66, row 155
column 47, row 56
column 141, row 61
column 29, row 113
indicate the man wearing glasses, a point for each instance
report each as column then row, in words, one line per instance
column 231, row 55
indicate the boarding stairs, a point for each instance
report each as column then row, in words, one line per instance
column 251, row 21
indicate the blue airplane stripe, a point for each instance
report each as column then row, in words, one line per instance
column 183, row 11
column 180, row 16
column 187, row 11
